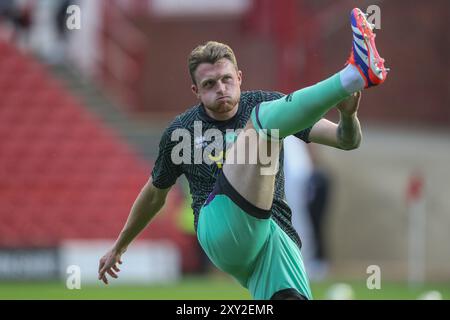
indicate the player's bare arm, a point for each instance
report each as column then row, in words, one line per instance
column 149, row 201
column 347, row 134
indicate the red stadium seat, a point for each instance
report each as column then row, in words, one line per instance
column 63, row 174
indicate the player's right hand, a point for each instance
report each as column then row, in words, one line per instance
column 108, row 264
column 350, row 105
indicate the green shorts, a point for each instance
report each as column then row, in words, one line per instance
column 251, row 248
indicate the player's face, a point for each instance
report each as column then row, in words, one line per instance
column 218, row 88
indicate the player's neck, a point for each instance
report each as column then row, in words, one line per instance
column 222, row 116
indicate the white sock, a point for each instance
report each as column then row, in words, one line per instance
column 351, row 79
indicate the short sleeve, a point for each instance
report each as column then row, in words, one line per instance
column 165, row 173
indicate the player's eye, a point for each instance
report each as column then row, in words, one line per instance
column 208, row 84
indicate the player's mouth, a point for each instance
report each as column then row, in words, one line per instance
column 222, row 98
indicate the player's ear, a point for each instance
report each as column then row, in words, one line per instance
column 239, row 75
column 194, row 89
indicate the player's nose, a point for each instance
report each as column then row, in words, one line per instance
column 220, row 87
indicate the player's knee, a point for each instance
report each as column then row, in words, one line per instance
column 288, row 294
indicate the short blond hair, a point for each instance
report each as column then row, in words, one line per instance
column 210, row 52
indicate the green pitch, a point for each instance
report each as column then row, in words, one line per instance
column 198, row 288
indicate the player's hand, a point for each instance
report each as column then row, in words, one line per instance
column 350, row 105
column 108, row 265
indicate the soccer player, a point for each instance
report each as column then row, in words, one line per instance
column 241, row 218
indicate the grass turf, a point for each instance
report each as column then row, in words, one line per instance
column 198, row 288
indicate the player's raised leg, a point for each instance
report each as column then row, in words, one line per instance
column 302, row 108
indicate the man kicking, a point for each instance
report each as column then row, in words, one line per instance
column 244, row 224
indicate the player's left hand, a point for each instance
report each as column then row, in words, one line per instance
column 350, row 105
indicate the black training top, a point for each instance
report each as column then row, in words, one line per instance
column 201, row 177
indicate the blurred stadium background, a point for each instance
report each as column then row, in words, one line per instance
column 82, row 111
